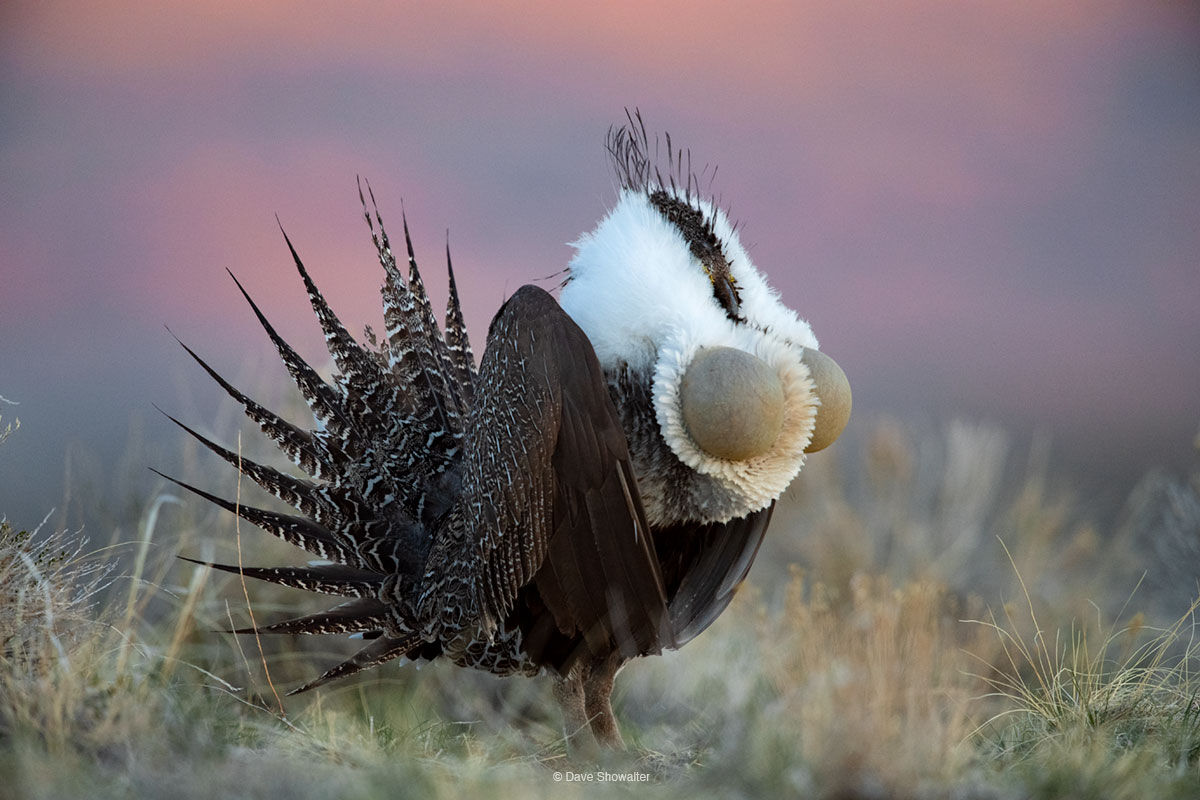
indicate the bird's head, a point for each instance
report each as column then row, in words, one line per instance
column 667, row 294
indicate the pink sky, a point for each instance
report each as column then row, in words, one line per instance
column 987, row 210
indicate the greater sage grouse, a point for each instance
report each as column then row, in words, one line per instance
column 594, row 491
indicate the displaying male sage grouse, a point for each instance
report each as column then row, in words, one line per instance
column 594, row 491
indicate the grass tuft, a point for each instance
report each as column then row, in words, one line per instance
column 1121, row 714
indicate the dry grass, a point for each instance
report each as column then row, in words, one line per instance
column 874, row 685
column 1104, row 706
column 47, row 590
column 850, row 669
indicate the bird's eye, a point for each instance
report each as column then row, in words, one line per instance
column 725, row 291
column 704, row 245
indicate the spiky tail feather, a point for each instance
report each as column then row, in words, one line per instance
column 383, row 649
column 324, row 578
column 387, row 431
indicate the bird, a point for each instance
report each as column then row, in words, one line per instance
column 593, row 490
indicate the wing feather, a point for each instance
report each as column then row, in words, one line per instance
column 550, row 496
column 704, row 565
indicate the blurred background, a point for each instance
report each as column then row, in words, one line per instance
column 988, row 211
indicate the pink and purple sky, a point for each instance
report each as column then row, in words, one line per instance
column 987, row 210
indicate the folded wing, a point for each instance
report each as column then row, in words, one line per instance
column 557, row 537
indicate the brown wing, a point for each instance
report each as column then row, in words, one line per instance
column 703, row 565
column 564, row 544
column 601, row 580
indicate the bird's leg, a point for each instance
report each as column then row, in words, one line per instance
column 597, row 700
column 569, row 693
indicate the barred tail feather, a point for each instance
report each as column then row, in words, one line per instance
column 320, row 458
column 323, row 400
column 369, row 396
column 418, row 355
column 354, row 616
column 382, row 649
column 411, row 364
column 390, row 414
column 412, row 337
column 293, row 529
column 334, row 579
column 457, row 341
column 325, row 505
column 439, row 353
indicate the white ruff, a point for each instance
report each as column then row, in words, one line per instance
column 753, row 483
column 644, row 301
